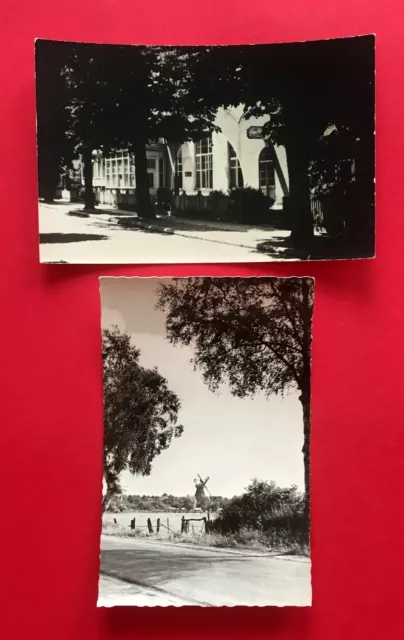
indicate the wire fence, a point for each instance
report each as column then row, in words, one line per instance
column 187, row 525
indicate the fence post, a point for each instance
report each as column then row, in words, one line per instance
column 183, row 524
column 133, row 523
column 204, row 520
column 168, row 524
column 158, row 525
column 149, row 525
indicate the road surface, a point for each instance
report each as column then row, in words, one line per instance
column 98, row 240
column 145, row 573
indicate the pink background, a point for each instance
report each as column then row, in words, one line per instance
column 51, row 408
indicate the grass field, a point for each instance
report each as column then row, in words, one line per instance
column 172, row 519
column 245, row 539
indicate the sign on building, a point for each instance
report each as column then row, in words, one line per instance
column 255, row 133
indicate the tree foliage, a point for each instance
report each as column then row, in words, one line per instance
column 275, row 512
column 253, row 333
column 52, row 122
column 122, row 503
column 140, row 411
column 247, row 331
column 126, row 96
column 302, row 89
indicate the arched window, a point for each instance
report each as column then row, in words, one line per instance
column 267, row 172
column 204, row 164
column 235, row 173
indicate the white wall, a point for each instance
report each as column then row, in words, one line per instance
column 188, row 166
column 234, row 130
column 235, row 127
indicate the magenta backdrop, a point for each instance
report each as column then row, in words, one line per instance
column 51, row 408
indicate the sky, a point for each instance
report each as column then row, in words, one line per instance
column 229, row 439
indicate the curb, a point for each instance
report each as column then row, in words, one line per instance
column 131, row 223
column 184, row 234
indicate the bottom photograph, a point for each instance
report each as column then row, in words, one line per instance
column 206, row 488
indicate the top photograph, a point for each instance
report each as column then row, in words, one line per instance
column 206, row 154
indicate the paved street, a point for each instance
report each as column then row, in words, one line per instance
column 99, row 239
column 142, row 572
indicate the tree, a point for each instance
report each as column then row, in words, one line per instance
column 51, row 102
column 259, row 506
column 129, row 96
column 265, row 512
column 157, row 97
column 304, row 88
column 140, row 412
column 188, row 503
column 254, row 333
column 91, row 108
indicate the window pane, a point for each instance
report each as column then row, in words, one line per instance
column 204, row 163
column 150, row 179
column 151, row 163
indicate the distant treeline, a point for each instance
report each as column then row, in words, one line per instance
column 123, row 503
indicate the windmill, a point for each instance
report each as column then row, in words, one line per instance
column 201, row 501
column 204, row 482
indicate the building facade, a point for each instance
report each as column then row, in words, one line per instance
column 220, row 162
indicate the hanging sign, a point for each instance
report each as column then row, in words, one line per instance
column 255, row 133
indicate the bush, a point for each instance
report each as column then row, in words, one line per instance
column 216, row 194
column 253, row 205
column 164, row 199
column 266, row 513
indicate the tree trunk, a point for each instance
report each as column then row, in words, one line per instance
column 298, row 158
column 176, row 176
column 106, row 500
column 88, row 179
column 305, row 397
column 144, row 208
column 48, row 172
column 360, row 229
column 48, row 192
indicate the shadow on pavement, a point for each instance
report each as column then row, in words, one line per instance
column 151, row 567
column 322, row 247
column 63, row 238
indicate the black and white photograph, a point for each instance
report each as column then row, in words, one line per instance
column 200, row 154
column 206, row 485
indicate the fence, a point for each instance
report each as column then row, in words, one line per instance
column 149, row 525
column 185, row 524
column 317, row 211
column 203, row 526
column 207, row 207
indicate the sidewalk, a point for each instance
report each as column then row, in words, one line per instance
column 251, row 236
